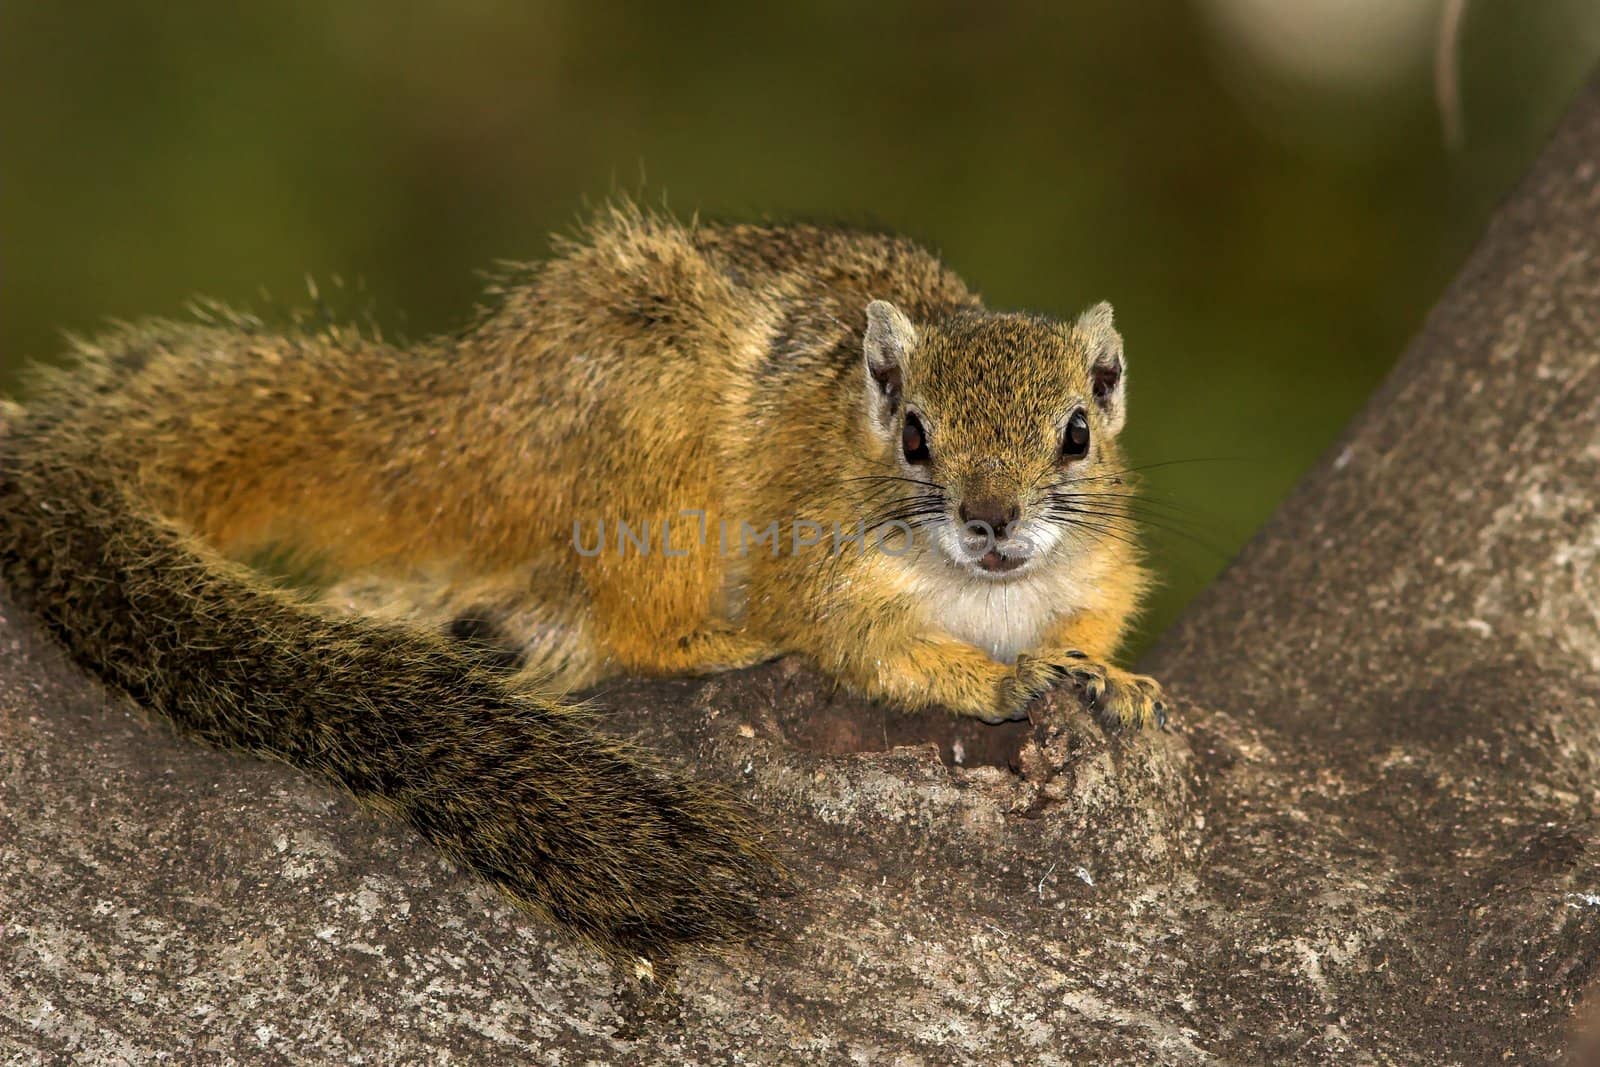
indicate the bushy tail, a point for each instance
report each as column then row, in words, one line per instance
column 579, row 826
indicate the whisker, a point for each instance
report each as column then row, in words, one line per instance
column 1068, row 513
column 1141, row 468
column 1101, row 531
column 1128, row 500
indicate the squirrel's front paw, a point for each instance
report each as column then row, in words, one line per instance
column 1120, row 699
column 1036, row 673
column 1130, row 701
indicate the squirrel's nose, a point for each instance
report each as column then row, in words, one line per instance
column 994, row 514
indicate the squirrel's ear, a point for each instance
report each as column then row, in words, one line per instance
column 889, row 337
column 1107, row 369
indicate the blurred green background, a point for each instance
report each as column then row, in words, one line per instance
column 1264, row 188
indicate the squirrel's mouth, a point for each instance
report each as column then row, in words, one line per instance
column 996, row 563
column 992, row 561
column 989, row 557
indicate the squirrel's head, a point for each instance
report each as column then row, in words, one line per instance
column 1000, row 431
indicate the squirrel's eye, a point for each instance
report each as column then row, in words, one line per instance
column 1075, row 441
column 914, row 440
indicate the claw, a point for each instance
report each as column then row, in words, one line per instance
column 1093, row 687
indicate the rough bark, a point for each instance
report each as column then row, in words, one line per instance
column 1373, row 838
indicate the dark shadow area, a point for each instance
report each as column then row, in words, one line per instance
column 801, row 708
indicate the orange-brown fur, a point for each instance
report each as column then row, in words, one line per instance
column 648, row 370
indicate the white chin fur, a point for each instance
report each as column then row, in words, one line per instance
column 1003, row 613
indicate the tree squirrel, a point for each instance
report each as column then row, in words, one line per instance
column 669, row 448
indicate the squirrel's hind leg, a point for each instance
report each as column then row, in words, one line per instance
column 545, row 642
